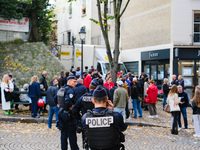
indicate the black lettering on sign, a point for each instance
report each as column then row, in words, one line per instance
column 99, row 122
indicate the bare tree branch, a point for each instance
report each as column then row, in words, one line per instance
column 124, row 8
column 104, row 32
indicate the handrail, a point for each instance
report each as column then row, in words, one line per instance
column 22, row 92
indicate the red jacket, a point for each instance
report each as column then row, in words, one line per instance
column 109, row 86
column 87, row 81
column 152, row 94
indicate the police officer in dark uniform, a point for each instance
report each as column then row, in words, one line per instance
column 67, row 124
column 83, row 104
column 103, row 127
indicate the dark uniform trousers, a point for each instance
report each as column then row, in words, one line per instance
column 68, row 131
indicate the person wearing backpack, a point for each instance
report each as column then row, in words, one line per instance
column 66, row 98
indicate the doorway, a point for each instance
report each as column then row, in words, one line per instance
column 157, row 70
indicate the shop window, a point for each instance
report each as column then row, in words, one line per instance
column 186, row 70
column 83, row 7
column 132, row 67
column 197, row 26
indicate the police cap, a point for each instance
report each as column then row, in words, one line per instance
column 99, row 92
column 94, row 82
column 71, row 77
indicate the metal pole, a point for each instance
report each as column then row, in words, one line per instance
column 63, row 38
column 82, row 57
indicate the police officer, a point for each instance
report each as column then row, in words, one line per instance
column 83, row 104
column 103, row 127
column 67, row 123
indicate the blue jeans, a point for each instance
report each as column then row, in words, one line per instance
column 184, row 113
column 52, row 110
column 137, row 106
column 120, row 110
column 164, row 100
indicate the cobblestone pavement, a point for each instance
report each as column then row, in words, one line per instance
column 164, row 119
column 22, row 136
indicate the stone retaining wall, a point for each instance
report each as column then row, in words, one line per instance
column 28, row 59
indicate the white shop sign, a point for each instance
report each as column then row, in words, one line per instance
column 14, row 25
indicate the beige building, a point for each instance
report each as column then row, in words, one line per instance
column 162, row 37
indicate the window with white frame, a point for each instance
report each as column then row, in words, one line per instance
column 109, row 7
column 197, row 26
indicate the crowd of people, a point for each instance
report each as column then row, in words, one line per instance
column 129, row 94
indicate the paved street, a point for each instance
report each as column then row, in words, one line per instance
column 22, row 136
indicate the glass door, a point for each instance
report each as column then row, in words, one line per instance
column 154, row 73
column 160, row 75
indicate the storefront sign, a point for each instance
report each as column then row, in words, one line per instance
column 189, row 53
column 198, row 53
column 14, row 25
column 155, row 55
column 151, row 55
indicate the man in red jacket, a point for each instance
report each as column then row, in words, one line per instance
column 88, row 80
column 152, row 92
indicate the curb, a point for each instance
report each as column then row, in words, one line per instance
column 26, row 120
column 45, row 120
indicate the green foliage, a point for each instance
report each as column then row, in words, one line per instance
column 93, row 20
column 16, row 41
column 23, row 8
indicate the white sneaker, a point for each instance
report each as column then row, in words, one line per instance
column 186, row 130
column 129, row 119
column 179, row 129
column 151, row 117
column 196, row 135
column 156, row 116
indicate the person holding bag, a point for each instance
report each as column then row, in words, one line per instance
column 34, row 93
column 173, row 101
column 196, row 111
column 6, row 94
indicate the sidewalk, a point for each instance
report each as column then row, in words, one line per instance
column 164, row 119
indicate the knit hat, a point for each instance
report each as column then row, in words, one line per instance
column 71, row 77
column 99, row 92
column 94, row 82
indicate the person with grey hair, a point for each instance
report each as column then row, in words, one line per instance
column 165, row 88
column 181, row 81
column 183, row 105
column 174, row 81
column 44, row 83
column 25, row 97
column 80, row 89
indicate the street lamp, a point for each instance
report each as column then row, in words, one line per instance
column 82, row 37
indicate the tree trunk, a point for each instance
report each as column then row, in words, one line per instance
column 34, row 30
column 116, row 51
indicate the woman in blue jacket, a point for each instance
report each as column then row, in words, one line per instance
column 34, row 93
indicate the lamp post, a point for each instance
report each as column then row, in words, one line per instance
column 82, row 37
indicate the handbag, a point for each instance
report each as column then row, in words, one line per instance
column 8, row 96
column 167, row 108
column 139, row 99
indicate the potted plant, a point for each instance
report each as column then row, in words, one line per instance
column 83, row 10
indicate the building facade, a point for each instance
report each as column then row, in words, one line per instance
column 72, row 17
column 163, row 37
